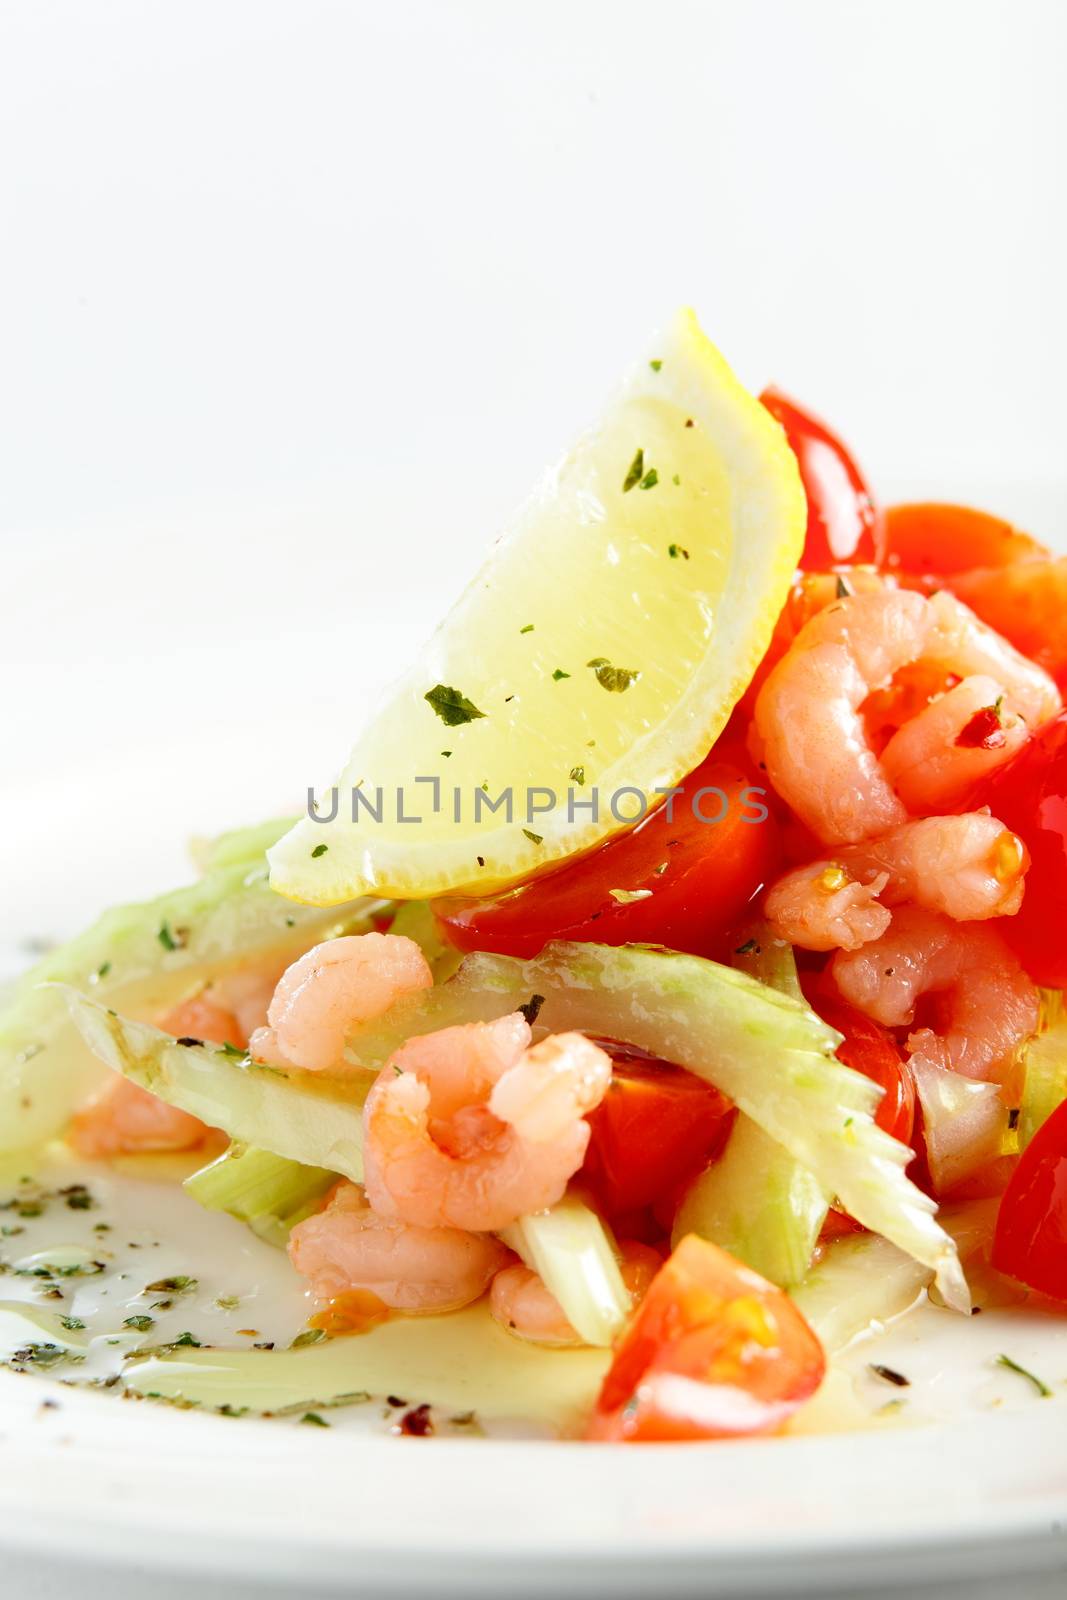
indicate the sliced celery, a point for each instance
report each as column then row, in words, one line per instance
column 1045, row 1081
column 143, row 959
column 572, row 1251
column 860, row 1281
column 765, row 1051
column 757, row 1201
column 311, row 1117
column 268, row 1192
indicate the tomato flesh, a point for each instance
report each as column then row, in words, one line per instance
column 1030, row 1242
column 1029, row 795
column 843, row 524
column 677, row 879
column 714, row 1351
column 869, row 1048
column 938, row 540
column 655, row 1129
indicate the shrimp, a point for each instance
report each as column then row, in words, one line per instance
column 331, row 988
column 933, row 760
column 348, row 1246
column 989, row 1007
column 808, row 720
column 520, row 1302
column 970, row 867
column 124, row 1119
column 472, row 1127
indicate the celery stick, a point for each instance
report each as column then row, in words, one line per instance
column 268, row 1192
column 312, row 1117
column 757, row 1201
column 572, row 1251
column 1045, row 1082
column 861, row 1281
column 143, row 959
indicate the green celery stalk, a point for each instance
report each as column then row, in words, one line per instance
column 573, row 1252
column 270, row 1193
column 1045, row 1080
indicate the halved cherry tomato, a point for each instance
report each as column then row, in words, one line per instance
column 843, row 524
column 655, row 1129
column 1030, row 1242
column 1026, row 603
column 676, row 879
column 869, row 1048
column 933, row 540
column 1029, row 795
column 713, row 1352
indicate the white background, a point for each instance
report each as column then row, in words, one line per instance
column 298, row 297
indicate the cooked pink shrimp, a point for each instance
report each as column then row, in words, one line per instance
column 520, row 1302
column 970, row 867
column 988, row 1005
column 248, row 995
column 330, row 989
column 348, row 1246
column 472, row 1127
column 932, row 761
column 808, row 720
column 124, row 1119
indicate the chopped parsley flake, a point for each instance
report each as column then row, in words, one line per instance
column 1013, row 1366
column 228, row 1302
column 446, row 752
column 676, row 550
column 529, row 628
column 319, row 850
column 577, row 775
column 534, row 838
column 103, row 969
column 749, row 948
column 314, row 1419
column 614, row 679
column 451, row 706
column 627, row 897
column 170, row 939
column 676, row 480
column 655, row 365
column 559, row 674
column 650, row 479
column 532, row 1009
column 180, row 1284
column 141, row 1323
column 309, row 1336
column 635, row 472
column 71, row 1323
column 889, row 1375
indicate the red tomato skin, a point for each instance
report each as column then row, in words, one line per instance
column 843, row 523
column 935, row 540
column 655, row 1129
column 871, row 1049
column 1030, row 1242
column 695, row 877
column 1029, row 795
column 712, row 1335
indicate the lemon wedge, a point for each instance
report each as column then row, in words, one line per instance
column 594, row 659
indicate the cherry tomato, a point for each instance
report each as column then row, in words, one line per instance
column 675, row 879
column 713, row 1352
column 1026, row 603
column 869, row 1048
column 843, row 524
column 1029, row 795
column 1030, row 1242
column 938, row 540
column 655, row 1129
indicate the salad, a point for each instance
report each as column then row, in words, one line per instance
column 669, row 989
